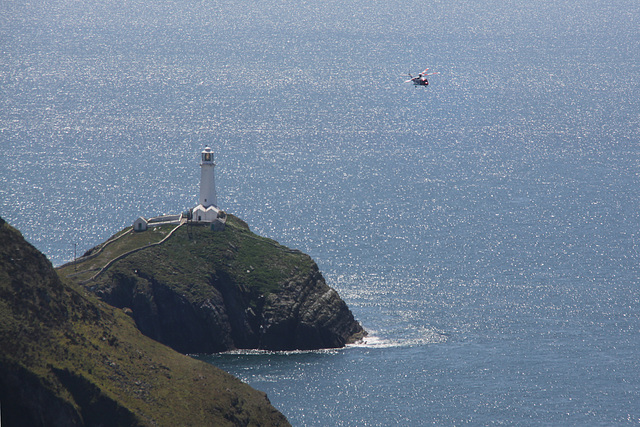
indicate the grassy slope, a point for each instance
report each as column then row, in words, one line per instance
column 189, row 258
column 121, row 242
column 75, row 344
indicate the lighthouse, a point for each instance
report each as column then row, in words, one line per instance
column 207, row 210
column 207, row 179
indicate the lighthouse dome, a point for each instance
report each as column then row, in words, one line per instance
column 207, row 155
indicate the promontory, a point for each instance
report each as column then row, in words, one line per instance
column 211, row 287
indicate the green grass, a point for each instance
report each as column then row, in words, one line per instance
column 194, row 256
column 111, row 249
column 92, row 356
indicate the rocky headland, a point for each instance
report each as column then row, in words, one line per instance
column 202, row 291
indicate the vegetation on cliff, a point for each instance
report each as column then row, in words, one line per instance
column 68, row 359
column 201, row 291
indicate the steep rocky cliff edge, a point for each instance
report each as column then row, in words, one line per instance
column 204, row 291
column 67, row 359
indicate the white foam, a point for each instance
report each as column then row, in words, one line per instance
column 372, row 341
column 424, row 337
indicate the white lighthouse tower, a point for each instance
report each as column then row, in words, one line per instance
column 207, row 210
column 207, row 179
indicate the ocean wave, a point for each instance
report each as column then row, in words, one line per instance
column 422, row 336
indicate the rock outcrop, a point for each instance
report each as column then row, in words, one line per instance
column 202, row 291
column 67, row 359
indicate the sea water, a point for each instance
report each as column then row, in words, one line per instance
column 483, row 229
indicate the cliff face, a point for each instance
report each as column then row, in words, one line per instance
column 67, row 359
column 202, row 291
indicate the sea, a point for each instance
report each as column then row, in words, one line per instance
column 484, row 229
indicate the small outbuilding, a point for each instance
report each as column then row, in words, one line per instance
column 140, row 224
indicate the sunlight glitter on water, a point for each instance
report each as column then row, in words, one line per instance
column 484, row 230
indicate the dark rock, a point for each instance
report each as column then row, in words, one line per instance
column 307, row 314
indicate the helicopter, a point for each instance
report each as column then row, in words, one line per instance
column 421, row 80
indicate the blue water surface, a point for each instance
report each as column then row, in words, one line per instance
column 483, row 229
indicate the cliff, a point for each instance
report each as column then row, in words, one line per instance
column 204, row 291
column 67, row 359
